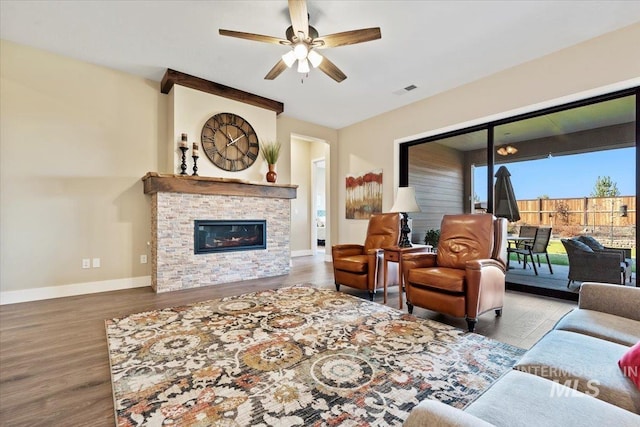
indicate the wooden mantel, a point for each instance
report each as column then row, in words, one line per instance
column 155, row 182
column 172, row 77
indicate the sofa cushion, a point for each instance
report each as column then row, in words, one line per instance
column 630, row 364
column 437, row 414
column 447, row 279
column 353, row 263
column 521, row 399
column 591, row 242
column 601, row 325
column 588, row 364
column 579, row 245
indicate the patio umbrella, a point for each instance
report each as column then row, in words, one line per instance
column 505, row 199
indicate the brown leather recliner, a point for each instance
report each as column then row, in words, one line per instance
column 357, row 265
column 467, row 275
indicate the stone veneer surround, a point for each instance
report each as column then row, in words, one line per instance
column 174, row 264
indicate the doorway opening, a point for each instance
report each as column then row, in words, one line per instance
column 319, row 205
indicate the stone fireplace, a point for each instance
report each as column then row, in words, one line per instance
column 177, row 202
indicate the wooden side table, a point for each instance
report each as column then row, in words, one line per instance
column 394, row 254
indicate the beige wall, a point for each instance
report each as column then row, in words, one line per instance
column 603, row 61
column 301, row 206
column 75, row 141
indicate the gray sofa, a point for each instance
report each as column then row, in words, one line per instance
column 568, row 378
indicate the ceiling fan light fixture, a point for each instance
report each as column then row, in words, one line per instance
column 302, row 39
column 303, row 66
column 300, row 50
column 289, row 58
column 315, row 58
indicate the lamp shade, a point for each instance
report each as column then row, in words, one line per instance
column 405, row 201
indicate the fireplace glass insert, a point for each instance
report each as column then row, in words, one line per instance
column 229, row 235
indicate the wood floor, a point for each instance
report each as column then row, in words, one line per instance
column 54, row 369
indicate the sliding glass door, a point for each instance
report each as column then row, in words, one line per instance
column 572, row 167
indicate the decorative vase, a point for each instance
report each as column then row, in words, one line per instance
column 272, row 175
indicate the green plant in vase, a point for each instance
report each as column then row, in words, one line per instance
column 270, row 152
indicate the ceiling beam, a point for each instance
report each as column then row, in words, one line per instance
column 172, row 77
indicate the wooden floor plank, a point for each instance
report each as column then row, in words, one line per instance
column 54, row 368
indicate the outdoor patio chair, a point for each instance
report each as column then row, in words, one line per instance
column 599, row 247
column 537, row 247
column 585, row 264
column 525, row 231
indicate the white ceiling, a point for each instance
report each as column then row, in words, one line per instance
column 435, row 45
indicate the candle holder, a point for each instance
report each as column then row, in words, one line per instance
column 183, row 166
column 195, row 165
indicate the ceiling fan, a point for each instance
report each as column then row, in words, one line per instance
column 304, row 40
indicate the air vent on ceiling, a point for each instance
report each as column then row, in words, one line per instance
column 405, row 90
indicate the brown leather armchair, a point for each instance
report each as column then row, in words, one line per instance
column 357, row 265
column 466, row 277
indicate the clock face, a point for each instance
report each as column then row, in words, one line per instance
column 230, row 142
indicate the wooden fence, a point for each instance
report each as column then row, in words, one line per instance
column 583, row 211
column 610, row 219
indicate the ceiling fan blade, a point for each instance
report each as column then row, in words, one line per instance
column 276, row 70
column 299, row 17
column 254, row 37
column 348, row 37
column 330, row 69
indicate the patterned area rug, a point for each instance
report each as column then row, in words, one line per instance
column 292, row 356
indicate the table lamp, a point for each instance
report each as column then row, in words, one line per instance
column 405, row 202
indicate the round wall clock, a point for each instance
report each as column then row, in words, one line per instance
column 230, row 142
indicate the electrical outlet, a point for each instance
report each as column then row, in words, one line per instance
column 86, row 263
column 143, row 259
column 96, row 262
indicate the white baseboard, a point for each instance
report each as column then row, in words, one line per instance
column 49, row 292
column 304, row 252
